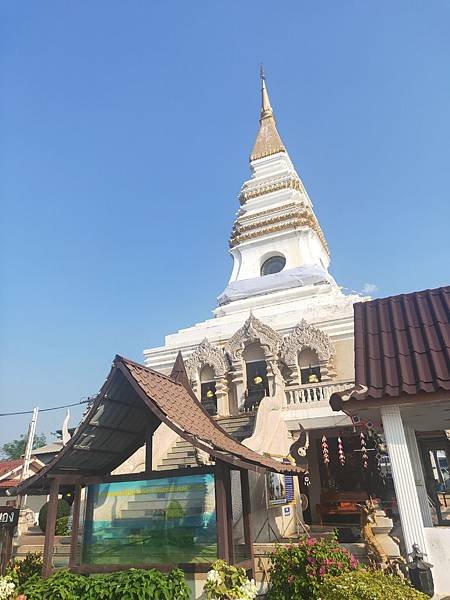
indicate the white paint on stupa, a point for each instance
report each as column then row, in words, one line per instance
column 275, row 218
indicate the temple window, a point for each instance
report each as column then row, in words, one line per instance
column 256, row 372
column 208, row 390
column 308, row 362
column 272, row 265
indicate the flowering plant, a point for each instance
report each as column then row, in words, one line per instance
column 7, row 588
column 297, row 570
column 225, row 582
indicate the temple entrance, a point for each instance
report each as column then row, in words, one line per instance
column 351, row 472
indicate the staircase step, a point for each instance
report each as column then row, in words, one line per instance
column 180, row 453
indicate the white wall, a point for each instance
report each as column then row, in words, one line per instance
column 438, row 542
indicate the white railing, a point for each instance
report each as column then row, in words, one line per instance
column 314, row 392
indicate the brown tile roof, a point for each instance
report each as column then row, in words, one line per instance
column 187, row 415
column 133, row 399
column 402, row 346
column 402, row 343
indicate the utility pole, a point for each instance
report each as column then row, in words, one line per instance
column 28, row 450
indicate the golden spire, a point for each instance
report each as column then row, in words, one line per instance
column 266, row 109
column 268, row 140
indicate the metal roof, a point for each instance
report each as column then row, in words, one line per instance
column 402, row 346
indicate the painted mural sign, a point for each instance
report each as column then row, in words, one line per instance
column 165, row 520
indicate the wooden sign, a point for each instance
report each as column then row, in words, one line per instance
column 9, row 516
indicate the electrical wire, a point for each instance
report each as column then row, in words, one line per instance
column 29, row 412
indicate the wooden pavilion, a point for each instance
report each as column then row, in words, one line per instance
column 130, row 406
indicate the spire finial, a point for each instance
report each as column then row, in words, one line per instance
column 266, row 109
column 268, row 140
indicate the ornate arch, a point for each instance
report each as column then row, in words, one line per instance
column 306, row 336
column 206, row 354
column 253, row 330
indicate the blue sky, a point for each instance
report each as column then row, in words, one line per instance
column 126, row 130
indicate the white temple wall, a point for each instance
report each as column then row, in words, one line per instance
column 344, row 361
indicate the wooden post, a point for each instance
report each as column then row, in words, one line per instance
column 221, row 512
column 246, row 516
column 227, row 481
column 6, row 542
column 75, row 526
column 47, row 565
column 149, row 448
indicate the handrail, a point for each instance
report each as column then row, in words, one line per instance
column 314, row 392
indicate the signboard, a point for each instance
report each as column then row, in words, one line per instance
column 276, row 489
column 152, row 521
column 287, row 511
column 9, row 516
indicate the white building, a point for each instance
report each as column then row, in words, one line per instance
column 282, row 317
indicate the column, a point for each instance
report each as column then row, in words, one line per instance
column 223, row 549
column 403, row 476
column 223, row 404
column 246, row 517
column 418, row 476
column 75, row 527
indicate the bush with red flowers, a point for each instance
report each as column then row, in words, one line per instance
column 297, row 570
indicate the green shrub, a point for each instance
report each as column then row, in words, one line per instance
column 134, row 584
column 62, row 526
column 63, row 585
column 62, row 511
column 367, row 585
column 297, row 570
column 22, row 570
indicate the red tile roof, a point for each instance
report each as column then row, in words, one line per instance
column 6, row 466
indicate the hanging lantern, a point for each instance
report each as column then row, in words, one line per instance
column 306, row 479
column 341, row 453
column 365, row 456
column 325, row 450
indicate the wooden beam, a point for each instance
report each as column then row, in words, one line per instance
column 149, row 448
column 47, row 563
column 221, row 513
column 114, row 429
column 246, row 517
column 97, row 450
column 129, row 405
column 75, row 526
column 141, row 476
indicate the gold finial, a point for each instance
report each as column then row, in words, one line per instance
column 268, row 140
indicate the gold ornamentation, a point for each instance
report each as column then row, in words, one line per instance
column 292, row 220
column 291, row 183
